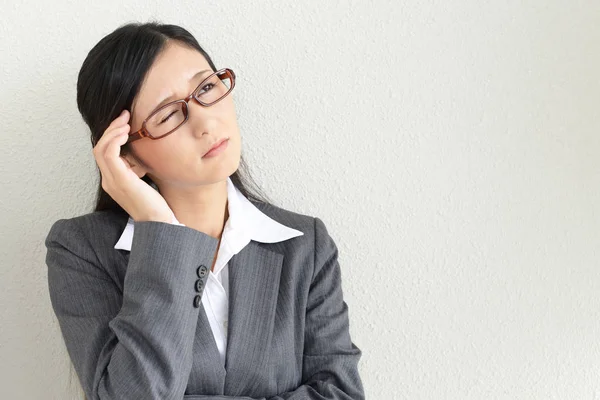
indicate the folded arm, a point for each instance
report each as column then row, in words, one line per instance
column 135, row 343
column 330, row 364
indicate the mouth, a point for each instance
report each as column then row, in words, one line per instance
column 217, row 146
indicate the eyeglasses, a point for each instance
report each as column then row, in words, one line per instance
column 169, row 117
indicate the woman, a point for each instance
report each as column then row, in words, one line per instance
column 182, row 283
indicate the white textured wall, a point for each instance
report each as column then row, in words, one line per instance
column 451, row 147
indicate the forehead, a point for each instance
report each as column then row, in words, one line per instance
column 169, row 74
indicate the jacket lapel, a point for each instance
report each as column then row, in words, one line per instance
column 207, row 373
column 254, row 275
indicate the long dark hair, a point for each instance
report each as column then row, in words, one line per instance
column 110, row 78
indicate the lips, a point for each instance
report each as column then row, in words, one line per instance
column 220, row 142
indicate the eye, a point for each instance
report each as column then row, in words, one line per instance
column 208, row 85
column 168, row 117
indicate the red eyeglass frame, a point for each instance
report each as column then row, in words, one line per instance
column 143, row 132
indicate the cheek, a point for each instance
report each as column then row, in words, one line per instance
column 228, row 112
column 158, row 155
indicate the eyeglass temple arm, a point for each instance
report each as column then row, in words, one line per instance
column 135, row 136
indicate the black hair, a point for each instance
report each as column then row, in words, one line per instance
column 110, row 78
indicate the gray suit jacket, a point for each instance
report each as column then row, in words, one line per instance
column 133, row 331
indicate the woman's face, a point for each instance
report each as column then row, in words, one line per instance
column 176, row 159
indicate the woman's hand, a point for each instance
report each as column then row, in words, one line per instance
column 141, row 201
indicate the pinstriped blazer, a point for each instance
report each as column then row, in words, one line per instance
column 133, row 331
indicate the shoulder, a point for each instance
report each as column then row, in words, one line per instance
column 295, row 220
column 316, row 235
column 306, row 223
column 96, row 228
column 82, row 247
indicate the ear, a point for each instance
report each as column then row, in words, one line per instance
column 135, row 166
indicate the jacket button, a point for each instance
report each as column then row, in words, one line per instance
column 199, row 285
column 197, row 300
column 202, row 271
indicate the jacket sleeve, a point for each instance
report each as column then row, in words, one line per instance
column 330, row 365
column 134, row 343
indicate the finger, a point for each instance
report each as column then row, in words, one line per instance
column 115, row 128
column 115, row 164
column 116, row 124
column 101, row 149
column 121, row 120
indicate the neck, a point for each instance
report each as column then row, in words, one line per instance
column 203, row 208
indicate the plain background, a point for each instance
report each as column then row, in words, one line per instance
column 451, row 148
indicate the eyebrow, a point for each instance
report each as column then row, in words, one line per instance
column 172, row 97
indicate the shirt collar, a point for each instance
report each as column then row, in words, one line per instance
column 246, row 222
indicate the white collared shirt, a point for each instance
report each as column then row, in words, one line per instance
column 245, row 223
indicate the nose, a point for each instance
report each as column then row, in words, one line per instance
column 201, row 119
